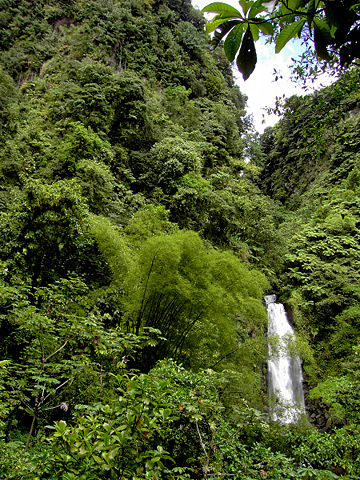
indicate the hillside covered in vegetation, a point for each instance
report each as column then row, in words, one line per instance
column 136, row 245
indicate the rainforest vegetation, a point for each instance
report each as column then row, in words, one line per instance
column 142, row 220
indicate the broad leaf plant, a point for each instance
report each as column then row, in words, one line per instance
column 331, row 26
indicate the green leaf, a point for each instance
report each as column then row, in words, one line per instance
column 321, row 42
column 223, row 9
column 295, row 4
column 247, row 58
column 256, row 8
column 333, row 30
column 332, row 16
column 322, row 25
column 255, row 31
column 310, row 12
column 232, row 42
column 61, row 426
column 246, row 5
column 311, row 8
column 355, row 7
column 224, row 29
column 288, row 33
column 266, row 28
column 196, row 416
column 214, row 24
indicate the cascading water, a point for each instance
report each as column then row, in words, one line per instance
column 284, row 371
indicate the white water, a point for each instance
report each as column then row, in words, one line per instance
column 284, row 371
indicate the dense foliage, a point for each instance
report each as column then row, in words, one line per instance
column 310, row 162
column 137, row 244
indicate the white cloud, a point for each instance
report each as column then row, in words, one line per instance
column 262, row 89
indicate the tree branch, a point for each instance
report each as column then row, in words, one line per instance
column 138, row 321
column 44, row 360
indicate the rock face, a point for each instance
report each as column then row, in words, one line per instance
column 319, row 413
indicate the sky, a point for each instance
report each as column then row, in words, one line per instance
column 261, row 88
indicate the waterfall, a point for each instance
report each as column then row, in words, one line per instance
column 284, row 371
